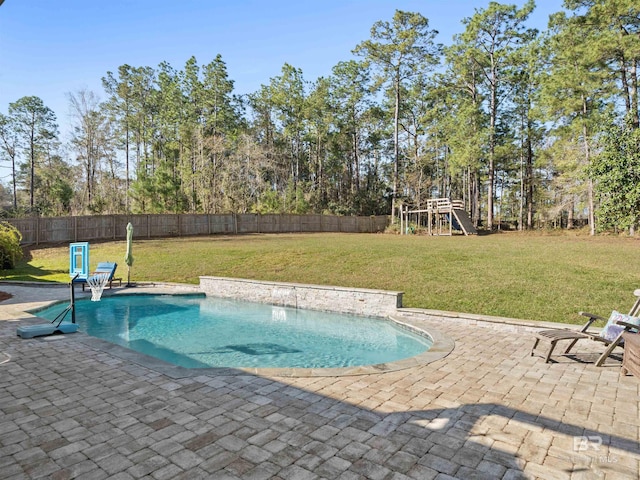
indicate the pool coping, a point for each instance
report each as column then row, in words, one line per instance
column 441, row 347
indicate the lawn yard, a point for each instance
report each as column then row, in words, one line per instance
column 527, row 276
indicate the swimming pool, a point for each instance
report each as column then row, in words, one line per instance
column 195, row 331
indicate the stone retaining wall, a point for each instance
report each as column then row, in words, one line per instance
column 357, row 301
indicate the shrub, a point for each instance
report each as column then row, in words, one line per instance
column 10, row 250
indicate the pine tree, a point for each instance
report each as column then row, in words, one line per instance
column 36, row 126
column 399, row 50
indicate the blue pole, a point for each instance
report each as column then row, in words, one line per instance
column 73, row 300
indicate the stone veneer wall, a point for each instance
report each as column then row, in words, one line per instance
column 357, row 301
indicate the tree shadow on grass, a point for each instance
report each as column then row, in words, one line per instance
column 25, row 272
column 29, row 273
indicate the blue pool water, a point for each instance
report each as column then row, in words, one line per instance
column 195, row 331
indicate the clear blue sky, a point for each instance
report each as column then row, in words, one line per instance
column 50, row 48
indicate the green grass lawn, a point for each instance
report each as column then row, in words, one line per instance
column 527, row 276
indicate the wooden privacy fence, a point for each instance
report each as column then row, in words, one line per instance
column 37, row 230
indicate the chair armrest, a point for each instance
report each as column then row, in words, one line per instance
column 628, row 326
column 592, row 318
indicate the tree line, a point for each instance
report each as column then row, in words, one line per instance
column 528, row 128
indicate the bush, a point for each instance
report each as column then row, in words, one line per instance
column 10, row 250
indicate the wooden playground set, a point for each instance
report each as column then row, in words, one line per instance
column 441, row 216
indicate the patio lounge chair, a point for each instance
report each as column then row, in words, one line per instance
column 103, row 267
column 610, row 335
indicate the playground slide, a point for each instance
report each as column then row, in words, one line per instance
column 464, row 222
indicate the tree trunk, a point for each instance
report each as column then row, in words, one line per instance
column 625, row 84
column 32, row 169
column 635, row 113
column 14, row 182
column 493, row 107
column 356, row 161
column 587, row 158
column 396, row 150
column 570, row 216
column 530, row 182
column 476, row 199
column 127, row 173
column 522, row 185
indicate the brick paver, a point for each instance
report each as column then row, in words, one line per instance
column 71, row 409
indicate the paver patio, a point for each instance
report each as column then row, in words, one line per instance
column 71, row 409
